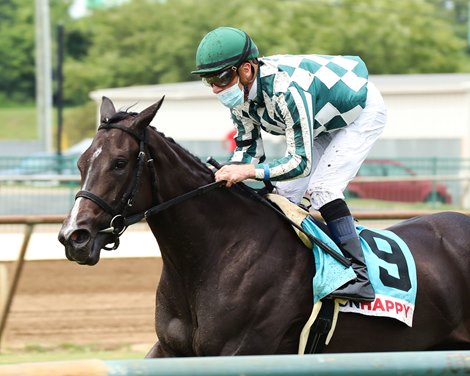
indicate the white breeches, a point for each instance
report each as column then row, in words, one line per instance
column 337, row 156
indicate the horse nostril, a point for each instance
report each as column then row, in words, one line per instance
column 80, row 236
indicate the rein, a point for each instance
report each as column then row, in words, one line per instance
column 168, row 204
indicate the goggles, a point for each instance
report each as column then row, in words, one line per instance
column 220, row 79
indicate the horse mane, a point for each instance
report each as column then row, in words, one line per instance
column 240, row 191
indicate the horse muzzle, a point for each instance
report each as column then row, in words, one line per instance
column 82, row 247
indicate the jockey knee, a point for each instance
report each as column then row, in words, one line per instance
column 292, row 190
column 320, row 198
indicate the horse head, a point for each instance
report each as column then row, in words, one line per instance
column 112, row 170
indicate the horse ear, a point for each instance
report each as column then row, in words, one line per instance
column 146, row 116
column 106, row 110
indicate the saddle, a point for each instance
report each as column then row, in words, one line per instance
column 294, row 212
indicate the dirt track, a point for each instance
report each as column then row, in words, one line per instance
column 108, row 305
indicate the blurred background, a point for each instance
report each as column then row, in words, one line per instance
column 59, row 57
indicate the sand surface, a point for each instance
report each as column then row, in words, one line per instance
column 107, row 305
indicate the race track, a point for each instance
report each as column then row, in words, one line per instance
column 108, row 305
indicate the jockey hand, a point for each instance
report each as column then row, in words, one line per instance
column 235, row 173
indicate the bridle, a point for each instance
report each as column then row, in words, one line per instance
column 120, row 221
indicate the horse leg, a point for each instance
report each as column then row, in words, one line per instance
column 157, row 351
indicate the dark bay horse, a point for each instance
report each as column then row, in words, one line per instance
column 236, row 279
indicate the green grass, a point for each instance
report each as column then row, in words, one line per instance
column 38, row 353
column 18, row 123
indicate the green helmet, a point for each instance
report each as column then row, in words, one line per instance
column 222, row 48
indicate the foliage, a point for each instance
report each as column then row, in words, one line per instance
column 154, row 41
column 17, row 39
column 155, row 49
column 16, row 52
column 411, row 39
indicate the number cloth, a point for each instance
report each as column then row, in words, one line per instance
column 391, row 268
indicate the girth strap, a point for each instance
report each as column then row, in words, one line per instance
column 321, row 328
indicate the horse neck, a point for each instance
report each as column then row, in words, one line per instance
column 185, row 232
column 178, row 172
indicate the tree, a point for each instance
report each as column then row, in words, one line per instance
column 405, row 39
column 17, row 47
column 17, row 50
column 145, row 42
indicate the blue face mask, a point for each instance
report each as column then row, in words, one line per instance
column 231, row 97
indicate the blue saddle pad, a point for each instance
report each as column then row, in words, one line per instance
column 391, row 269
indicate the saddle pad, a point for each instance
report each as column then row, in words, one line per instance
column 392, row 272
column 329, row 273
column 391, row 268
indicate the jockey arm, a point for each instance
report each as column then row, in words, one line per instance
column 297, row 160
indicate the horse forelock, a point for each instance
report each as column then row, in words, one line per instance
column 120, row 116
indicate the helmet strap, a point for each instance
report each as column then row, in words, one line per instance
column 246, row 91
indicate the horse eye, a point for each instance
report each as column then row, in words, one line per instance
column 119, row 164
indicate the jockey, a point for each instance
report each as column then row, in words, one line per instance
column 329, row 113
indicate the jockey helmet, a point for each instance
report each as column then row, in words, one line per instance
column 222, row 48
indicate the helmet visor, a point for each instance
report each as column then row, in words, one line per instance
column 220, row 79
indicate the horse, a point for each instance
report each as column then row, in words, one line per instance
column 236, row 279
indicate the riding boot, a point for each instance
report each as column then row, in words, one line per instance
column 344, row 234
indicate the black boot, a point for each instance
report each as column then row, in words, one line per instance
column 344, row 233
